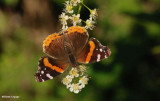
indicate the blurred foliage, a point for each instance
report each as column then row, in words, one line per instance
column 131, row 28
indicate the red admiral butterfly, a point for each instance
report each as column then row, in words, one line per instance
column 67, row 49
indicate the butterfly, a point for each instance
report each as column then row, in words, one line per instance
column 69, row 48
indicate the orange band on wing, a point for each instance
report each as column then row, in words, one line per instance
column 92, row 47
column 49, row 39
column 76, row 29
column 46, row 63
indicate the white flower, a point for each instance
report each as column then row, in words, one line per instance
column 63, row 18
column 82, row 68
column 68, row 7
column 75, row 19
column 67, row 80
column 74, row 81
column 74, row 72
column 68, row 85
column 64, row 28
column 89, row 24
column 74, row 2
column 83, row 80
column 93, row 14
column 81, row 86
column 75, row 88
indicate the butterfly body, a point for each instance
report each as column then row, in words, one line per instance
column 68, row 49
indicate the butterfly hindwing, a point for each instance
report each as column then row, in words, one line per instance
column 49, row 68
column 93, row 52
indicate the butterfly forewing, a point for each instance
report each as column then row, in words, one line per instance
column 77, row 37
column 53, row 45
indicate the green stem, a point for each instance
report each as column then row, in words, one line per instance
column 85, row 5
column 79, row 10
column 84, row 21
column 81, row 1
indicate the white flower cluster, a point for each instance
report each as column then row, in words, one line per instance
column 76, row 80
column 70, row 14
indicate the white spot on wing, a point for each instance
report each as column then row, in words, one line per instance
column 49, row 76
column 98, row 57
column 105, row 56
column 42, row 72
column 100, row 49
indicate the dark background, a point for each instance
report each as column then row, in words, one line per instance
column 131, row 28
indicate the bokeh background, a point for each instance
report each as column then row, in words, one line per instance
column 131, row 28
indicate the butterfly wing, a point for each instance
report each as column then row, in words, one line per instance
column 77, row 37
column 53, row 45
column 93, row 52
column 49, row 68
